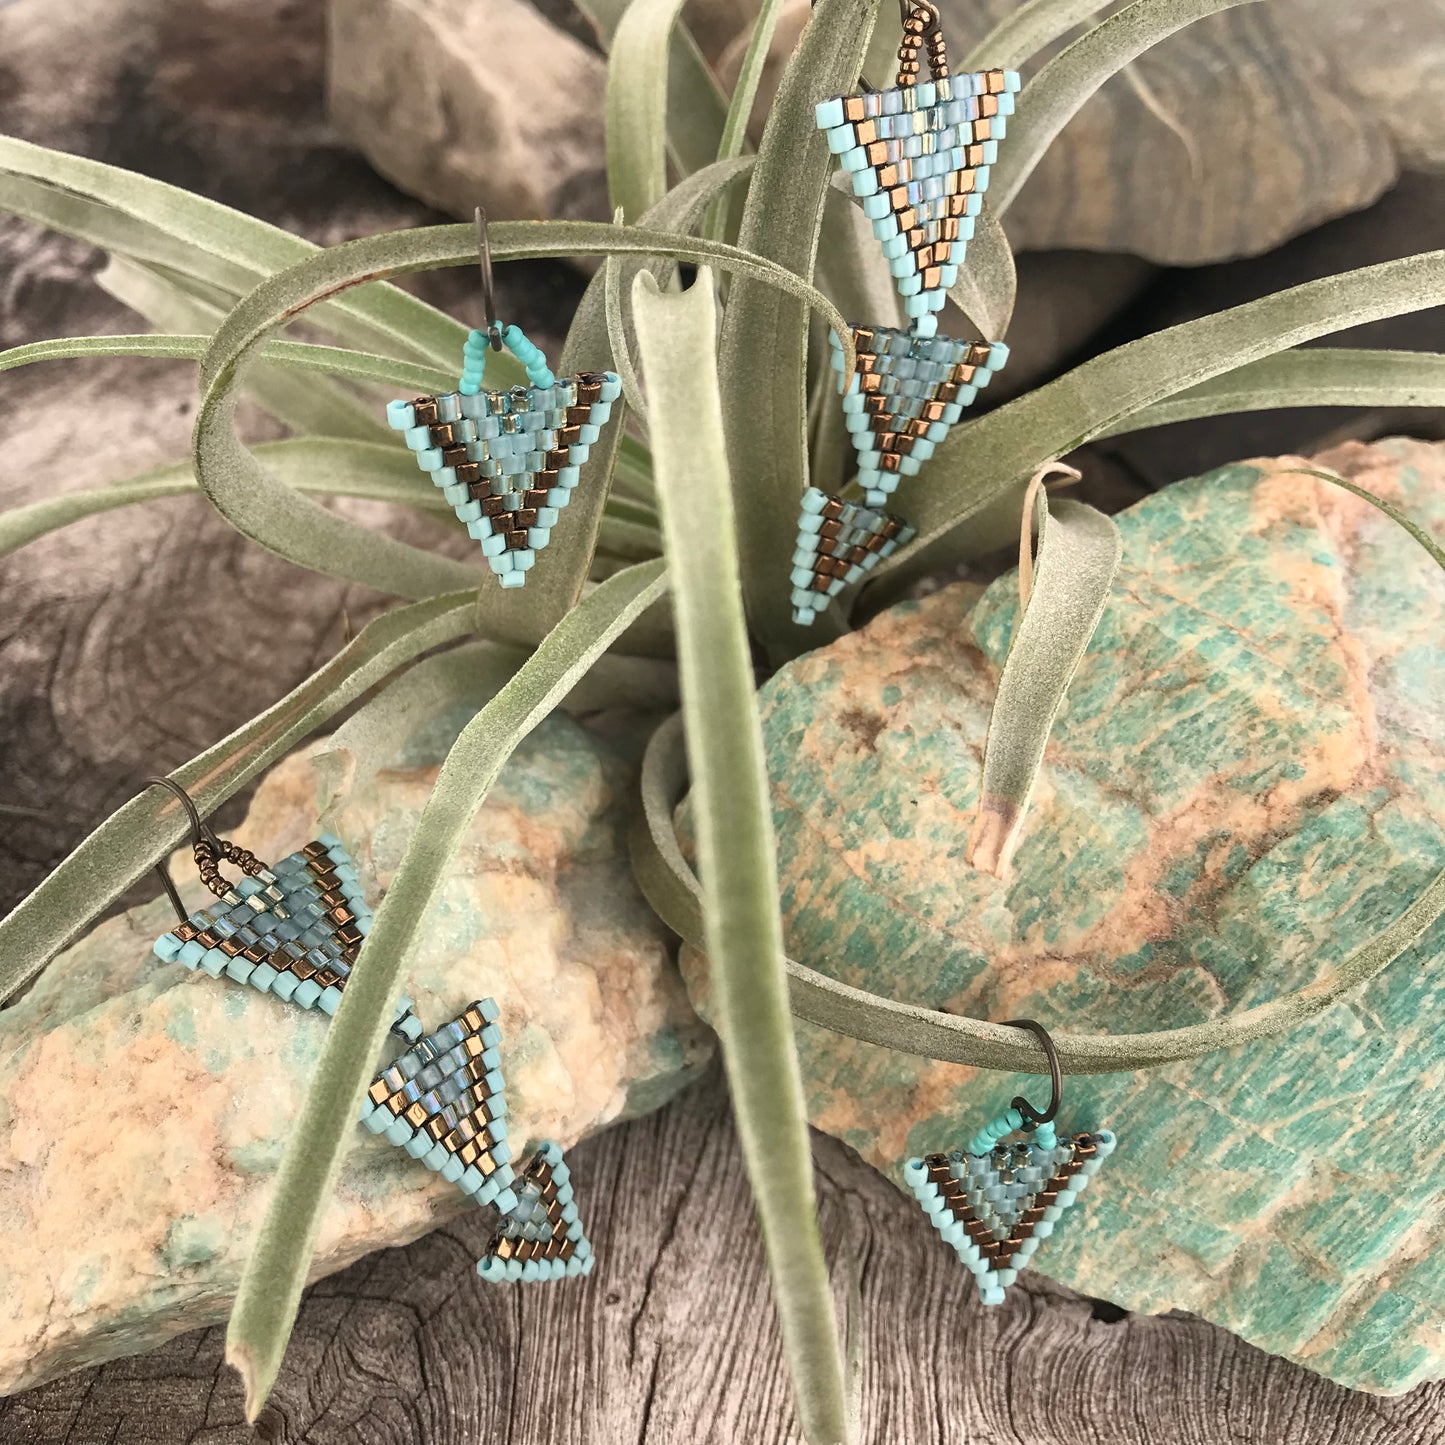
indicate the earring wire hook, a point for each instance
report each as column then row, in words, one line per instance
column 1032, row 1117
column 201, row 833
column 489, row 294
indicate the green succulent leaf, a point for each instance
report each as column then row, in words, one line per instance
column 1306, row 376
column 153, row 221
column 323, row 465
column 1024, row 32
column 145, row 830
column 636, row 105
column 1058, row 92
column 742, row 927
column 763, row 356
column 1078, row 555
column 270, row 1288
column 975, row 474
column 696, row 108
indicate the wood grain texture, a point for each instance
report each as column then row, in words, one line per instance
column 672, row 1340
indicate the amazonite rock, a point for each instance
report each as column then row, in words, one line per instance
column 143, row 1108
column 1247, row 779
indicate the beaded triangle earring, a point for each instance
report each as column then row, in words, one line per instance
column 292, row 930
column 507, row 461
column 919, row 154
column 838, row 544
column 904, row 396
column 444, row 1102
column 997, row 1200
column 542, row 1237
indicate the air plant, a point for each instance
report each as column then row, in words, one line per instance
column 731, row 401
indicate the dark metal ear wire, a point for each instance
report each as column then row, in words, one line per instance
column 1032, row 1117
column 489, row 294
column 206, row 848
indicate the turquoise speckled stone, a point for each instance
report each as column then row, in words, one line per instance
column 1246, row 779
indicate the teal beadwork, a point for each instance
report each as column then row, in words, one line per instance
column 905, row 395
column 996, row 1201
column 444, row 1102
column 279, row 913
column 507, row 461
column 919, row 157
column 541, row 1237
column 824, row 565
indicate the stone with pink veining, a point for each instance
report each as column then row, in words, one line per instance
column 1246, row 780
column 143, row 1108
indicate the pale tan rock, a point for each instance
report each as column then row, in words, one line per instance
column 143, row 1109
column 465, row 104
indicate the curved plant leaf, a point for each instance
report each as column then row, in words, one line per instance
column 1031, row 28
column 696, row 106
column 763, row 356
column 296, row 528
column 324, row 465
column 332, row 360
column 742, row 927
column 988, row 284
column 275, row 1273
column 1305, row 376
column 982, row 462
column 636, row 105
column 143, row 831
column 1078, row 554
column 673, row 890
column 1057, row 93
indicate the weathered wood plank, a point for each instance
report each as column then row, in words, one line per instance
column 672, row 1340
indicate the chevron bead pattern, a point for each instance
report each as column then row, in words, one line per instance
column 508, row 461
column 996, row 1207
column 838, row 544
column 541, row 1237
column 905, row 395
column 293, row 930
column 443, row 1101
column 919, row 157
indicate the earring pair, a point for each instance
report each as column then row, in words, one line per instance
column 919, row 155
column 294, row 930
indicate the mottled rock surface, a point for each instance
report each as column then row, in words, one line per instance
column 463, row 104
column 1245, row 781
column 1258, row 123
column 143, row 1109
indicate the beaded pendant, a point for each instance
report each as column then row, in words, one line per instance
column 905, row 396
column 838, row 544
column 542, row 1236
column 443, row 1101
column 998, row 1200
column 508, row 461
column 293, row 931
column 919, row 156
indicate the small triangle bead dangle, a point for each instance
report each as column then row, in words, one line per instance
column 999, row 1198
column 905, row 394
column 292, row 930
column 838, row 544
column 919, row 155
column 507, row 461
column 542, row 1236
